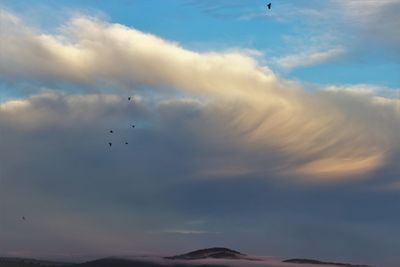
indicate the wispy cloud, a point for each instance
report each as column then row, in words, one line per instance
column 377, row 21
column 187, row 232
column 310, row 58
column 220, row 138
column 376, row 95
column 246, row 107
column 361, row 89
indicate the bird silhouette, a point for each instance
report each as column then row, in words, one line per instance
column 110, row 144
column 111, row 131
column 269, row 6
column 126, row 143
column 133, row 126
column 23, row 218
column 129, row 98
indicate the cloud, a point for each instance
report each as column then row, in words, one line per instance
column 394, row 186
column 360, row 89
column 376, row 19
column 215, row 134
column 374, row 22
column 306, row 59
column 356, row 31
column 92, row 49
column 245, row 107
column 186, row 232
column 363, row 29
column 376, row 95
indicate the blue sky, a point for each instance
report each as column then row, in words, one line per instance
column 270, row 132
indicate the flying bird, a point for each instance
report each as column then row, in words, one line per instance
column 133, row 126
column 111, row 131
column 126, row 143
column 23, row 218
column 129, row 98
column 110, row 144
column 269, row 6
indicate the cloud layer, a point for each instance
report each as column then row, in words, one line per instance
column 219, row 142
column 242, row 105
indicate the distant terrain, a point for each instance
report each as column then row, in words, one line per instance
column 214, row 253
column 308, row 261
column 210, row 257
column 25, row 262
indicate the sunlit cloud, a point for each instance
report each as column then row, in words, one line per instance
column 242, row 106
column 311, row 58
column 225, row 150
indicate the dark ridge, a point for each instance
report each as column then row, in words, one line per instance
column 23, row 262
column 115, row 262
column 309, row 261
column 108, row 262
column 216, row 253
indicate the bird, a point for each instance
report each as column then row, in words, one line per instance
column 133, row 126
column 269, row 6
column 129, row 98
column 110, row 144
column 126, row 143
column 23, row 218
column 111, row 131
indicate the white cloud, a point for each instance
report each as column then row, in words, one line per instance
column 360, row 89
column 310, row 58
column 247, row 108
column 375, row 21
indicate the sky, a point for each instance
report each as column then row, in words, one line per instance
column 271, row 132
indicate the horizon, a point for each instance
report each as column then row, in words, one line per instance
column 199, row 256
column 168, row 126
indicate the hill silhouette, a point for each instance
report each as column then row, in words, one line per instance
column 216, row 253
column 220, row 257
column 309, row 261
